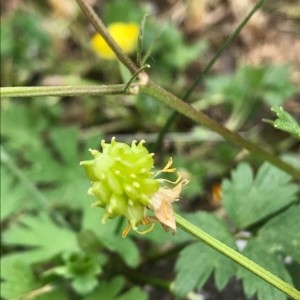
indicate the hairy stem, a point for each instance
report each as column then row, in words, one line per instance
column 237, row 257
column 184, row 108
column 35, row 91
column 101, row 29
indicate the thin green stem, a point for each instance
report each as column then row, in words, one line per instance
column 101, row 29
column 184, row 108
column 237, row 257
column 205, row 71
column 36, row 91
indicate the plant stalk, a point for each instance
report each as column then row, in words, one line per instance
column 237, row 257
column 184, row 108
column 66, row 90
column 101, row 29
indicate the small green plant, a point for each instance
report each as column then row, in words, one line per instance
column 55, row 245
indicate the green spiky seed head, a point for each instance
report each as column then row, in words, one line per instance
column 122, row 180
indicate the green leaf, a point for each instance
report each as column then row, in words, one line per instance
column 286, row 122
column 198, row 261
column 281, row 234
column 253, row 284
column 248, row 200
column 18, row 279
column 43, row 238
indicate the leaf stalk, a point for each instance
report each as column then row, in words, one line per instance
column 237, row 257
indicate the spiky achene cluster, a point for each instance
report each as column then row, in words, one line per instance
column 122, row 180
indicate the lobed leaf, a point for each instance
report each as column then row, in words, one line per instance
column 248, row 200
column 198, row 261
column 281, row 234
column 254, row 285
column 42, row 236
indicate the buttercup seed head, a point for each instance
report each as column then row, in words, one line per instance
column 122, row 179
column 124, row 184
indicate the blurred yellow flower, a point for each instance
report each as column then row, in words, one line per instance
column 125, row 34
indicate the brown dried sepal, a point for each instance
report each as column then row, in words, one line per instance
column 161, row 204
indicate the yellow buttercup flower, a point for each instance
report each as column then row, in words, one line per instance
column 125, row 34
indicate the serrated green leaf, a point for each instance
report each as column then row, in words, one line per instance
column 281, row 234
column 18, row 279
column 286, row 122
column 198, row 261
column 44, row 238
column 253, row 284
column 248, row 200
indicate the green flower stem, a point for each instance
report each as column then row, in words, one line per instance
column 101, row 29
column 237, row 257
column 36, row 91
column 184, row 108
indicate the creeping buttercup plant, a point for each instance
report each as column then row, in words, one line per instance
column 54, row 243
